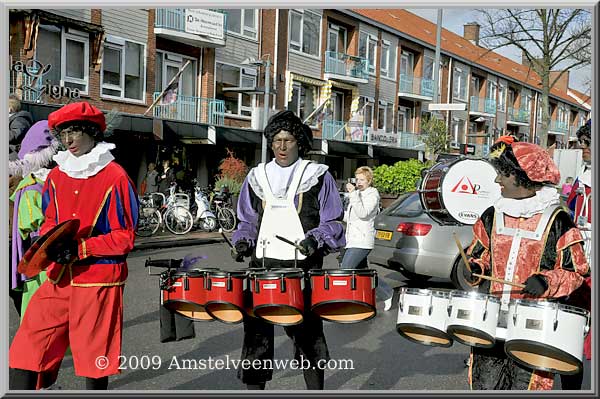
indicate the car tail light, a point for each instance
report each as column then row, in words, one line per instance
column 414, row 229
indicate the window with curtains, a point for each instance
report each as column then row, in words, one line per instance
column 68, row 53
column 459, row 84
column 305, row 32
column 123, row 69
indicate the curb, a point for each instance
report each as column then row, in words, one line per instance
column 172, row 243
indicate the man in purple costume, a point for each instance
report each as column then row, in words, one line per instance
column 299, row 200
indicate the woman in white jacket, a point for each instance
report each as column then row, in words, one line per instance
column 363, row 206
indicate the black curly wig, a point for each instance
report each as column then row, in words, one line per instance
column 288, row 121
column 506, row 164
column 585, row 130
column 89, row 128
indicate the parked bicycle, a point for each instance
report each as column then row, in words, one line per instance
column 170, row 212
column 200, row 209
column 221, row 206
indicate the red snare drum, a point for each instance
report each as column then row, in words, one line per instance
column 277, row 296
column 343, row 295
column 225, row 295
column 457, row 191
column 185, row 293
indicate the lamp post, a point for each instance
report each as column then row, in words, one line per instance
column 267, row 92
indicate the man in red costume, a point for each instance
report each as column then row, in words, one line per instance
column 81, row 304
column 525, row 237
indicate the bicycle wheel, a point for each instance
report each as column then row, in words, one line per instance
column 148, row 223
column 226, row 219
column 179, row 220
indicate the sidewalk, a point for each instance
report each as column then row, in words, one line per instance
column 168, row 240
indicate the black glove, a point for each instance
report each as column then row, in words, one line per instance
column 241, row 250
column 468, row 275
column 535, row 285
column 63, row 252
column 309, row 246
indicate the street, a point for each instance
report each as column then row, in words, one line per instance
column 381, row 358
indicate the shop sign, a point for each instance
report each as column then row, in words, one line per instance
column 33, row 72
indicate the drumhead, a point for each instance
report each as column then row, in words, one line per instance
column 342, row 272
column 225, row 273
column 474, row 295
column 544, row 304
column 468, row 188
column 424, row 292
column 277, row 273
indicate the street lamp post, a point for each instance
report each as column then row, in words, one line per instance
column 267, row 64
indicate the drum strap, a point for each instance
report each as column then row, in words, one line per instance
column 517, row 235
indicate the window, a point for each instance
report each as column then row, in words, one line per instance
column 366, row 49
column 428, row 67
column 68, row 53
column 526, row 102
column 502, row 97
column 459, row 84
column 385, row 117
column 492, row 88
column 303, row 99
column 366, row 105
column 388, row 56
column 123, row 69
column 305, row 32
column 243, row 22
column 458, row 131
column 234, row 76
column 168, row 65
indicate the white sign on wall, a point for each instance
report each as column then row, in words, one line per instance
column 204, row 22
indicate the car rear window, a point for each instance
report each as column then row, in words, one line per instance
column 407, row 206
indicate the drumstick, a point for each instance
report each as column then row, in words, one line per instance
column 298, row 247
column 499, row 280
column 226, row 239
column 462, row 252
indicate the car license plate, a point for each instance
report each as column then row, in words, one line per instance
column 383, row 235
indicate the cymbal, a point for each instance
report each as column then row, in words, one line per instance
column 35, row 259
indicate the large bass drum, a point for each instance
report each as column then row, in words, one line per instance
column 457, row 191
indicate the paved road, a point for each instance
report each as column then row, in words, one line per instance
column 382, row 359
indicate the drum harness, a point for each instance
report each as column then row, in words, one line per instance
column 517, row 235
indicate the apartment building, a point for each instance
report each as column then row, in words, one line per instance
column 363, row 80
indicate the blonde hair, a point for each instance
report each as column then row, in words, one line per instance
column 14, row 104
column 365, row 170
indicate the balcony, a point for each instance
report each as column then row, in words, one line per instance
column 482, row 106
column 196, row 27
column 192, row 109
column 558, row 128
column 573, row 133
column 410, row 141
column 344, row 67
column 518, row 116
column 339, row 130
column 415, row 88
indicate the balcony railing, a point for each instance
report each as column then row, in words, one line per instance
column 559, row 127
column 340, row 130
column 410, row 140
column 520, row 115
column 483, row 105
column 415, row 86
column 174, row 19
column 346, row 65
column 192, row 109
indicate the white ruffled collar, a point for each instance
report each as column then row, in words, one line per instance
column 86, row 165
column 544, row 198
column 280, row 177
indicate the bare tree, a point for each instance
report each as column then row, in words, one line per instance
column 550, row 39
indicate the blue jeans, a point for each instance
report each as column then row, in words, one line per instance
column 356, row 258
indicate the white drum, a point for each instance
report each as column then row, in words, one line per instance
column 546, row 335
column 473, row 318
column 458, row 191
column 422, row 316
